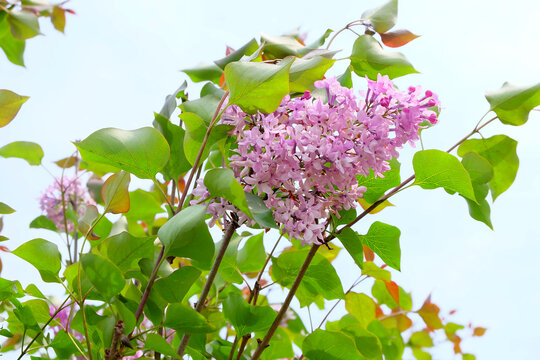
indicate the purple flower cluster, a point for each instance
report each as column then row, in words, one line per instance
column 303, row 158
column 75, row 197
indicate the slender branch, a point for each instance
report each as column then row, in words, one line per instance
column 199, row 155
column 60, row 308
column 158, row 185
column 149, row 286
column 264, row 343
column 231, row 228
column 354, row 284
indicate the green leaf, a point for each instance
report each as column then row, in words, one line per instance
column 33, row 290
column 345, row 79
column 144, row 206
column 196, row 130
column 247, row 318
column 384, row 17
column 229, row 267
column 182, row 318
column 204, row 72
column 160, row 345
column 367, row 343
column 330, row 345
column 247, row 49
column 115, row 193
column 512, row 104
column 29, row 151
column 481, row 173
column 500, row 152
column 252, row 256
column 383, row 239
column 420, row 354
column 316, row 44
column 142, row 152
column 205, row 107
column 187, row 235
column 361, row 306
column 10, row 104
column 13, row 48
column 353, row 244
column 320, row 281
column 370, row 269
column 125, row 250
column 174, row 134
column 171, row 104
column 44, row 256
column 369, row 58
column 222, row 183
column 85, row 222
column 421, row 339
column 279, row 47
column 258, row 86
column 262, row 215
column 6, row 209
column 435, row 168
column 103, row 274
column 63, row 345
column 377, row 186
column 174, row 287
column 303, row 73
column 23, row 24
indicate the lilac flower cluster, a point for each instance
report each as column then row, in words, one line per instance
column 303, row 158
column 75, row 196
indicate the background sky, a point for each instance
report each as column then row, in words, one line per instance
column 119, row 59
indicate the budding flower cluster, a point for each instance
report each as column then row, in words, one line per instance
column 303, row 158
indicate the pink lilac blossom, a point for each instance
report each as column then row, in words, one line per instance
column 63, row 321
column 303, row 158
column 75, row 197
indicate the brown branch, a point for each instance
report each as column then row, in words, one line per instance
column 231, row 228
column 112, row 353
column 264, row 343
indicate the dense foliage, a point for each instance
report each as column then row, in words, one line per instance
column 285, row 158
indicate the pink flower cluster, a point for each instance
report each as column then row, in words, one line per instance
column 75, row 197
column 303, row 158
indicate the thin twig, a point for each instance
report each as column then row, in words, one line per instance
column 199, row 155
column 60, row 308
column 264, row 343
column 231, row 228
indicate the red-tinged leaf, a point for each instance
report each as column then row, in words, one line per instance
column 115, row 193
column 393, row 290
column 4, row 248
column 452, row 312
column 430, row 314
column 403, row 322
column 369, row 255
column 58, row 18
column 397, row 38
column 378, row 312
column 479, row 331
column 222, row 81
column 229, row 50
column 181, row 185
column 72, row 12
column 457, row 343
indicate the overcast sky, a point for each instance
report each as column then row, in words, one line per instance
column 119, row 59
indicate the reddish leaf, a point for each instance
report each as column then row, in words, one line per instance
column 229, row 50
column 368, row 253
column 397, row 38
column 4, row 249
column 222, row 81
column 378, row 312
column 181, row 185
column 479, row 331
column 393, row 290
column 457, row 347
column 115, row 193
column 452, row 312
column 403, row 322
column 430, row 314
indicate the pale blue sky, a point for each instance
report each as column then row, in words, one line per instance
column 119, row 59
